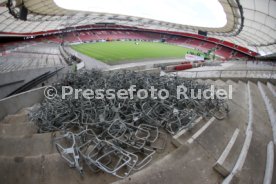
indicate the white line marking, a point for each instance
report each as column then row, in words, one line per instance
column 239, row 164
column 201, row 130
column 228, row 147
column 182, row 132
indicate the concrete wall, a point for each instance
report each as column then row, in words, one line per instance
column 13, row 104
column 26, row 75
column 263, row 76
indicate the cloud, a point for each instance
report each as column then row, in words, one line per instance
column 188, row 12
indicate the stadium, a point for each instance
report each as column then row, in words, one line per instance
column 102, row 91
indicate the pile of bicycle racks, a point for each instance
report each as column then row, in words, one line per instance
column 120, row 136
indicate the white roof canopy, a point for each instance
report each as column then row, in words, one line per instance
column 250, row 23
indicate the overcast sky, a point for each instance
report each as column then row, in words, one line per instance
column 206, row 13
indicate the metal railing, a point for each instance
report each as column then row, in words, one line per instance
column 248, row 74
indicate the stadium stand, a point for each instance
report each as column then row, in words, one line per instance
column 38, row 53
column 90, row 36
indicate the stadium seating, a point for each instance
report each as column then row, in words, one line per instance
column 54, row 39
column 71, row 37
column 177, row 40
column 206, row 46
column 198, row 42
column 224, row 52
column 31, row 57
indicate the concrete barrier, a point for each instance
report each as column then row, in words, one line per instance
column 151, row 71
column 233, row 74
column 218, row 166
column 259, row 74
column 269, row 163
column 265, row 76
column 242, row 157
column 209, row 74
column 130, row 68
column 272, row 89
column 13, row 104
column 162, row 65
column 189, row 75
column 270, row 109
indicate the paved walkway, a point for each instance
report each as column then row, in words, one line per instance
column 89, row 62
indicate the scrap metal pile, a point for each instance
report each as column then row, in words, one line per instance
column 119, row 136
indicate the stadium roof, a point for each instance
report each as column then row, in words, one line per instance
column 196, row 13
column 250, row 23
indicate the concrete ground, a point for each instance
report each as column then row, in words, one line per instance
column 27, row 157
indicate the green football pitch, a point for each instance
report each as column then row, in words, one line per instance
column 127, row 51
